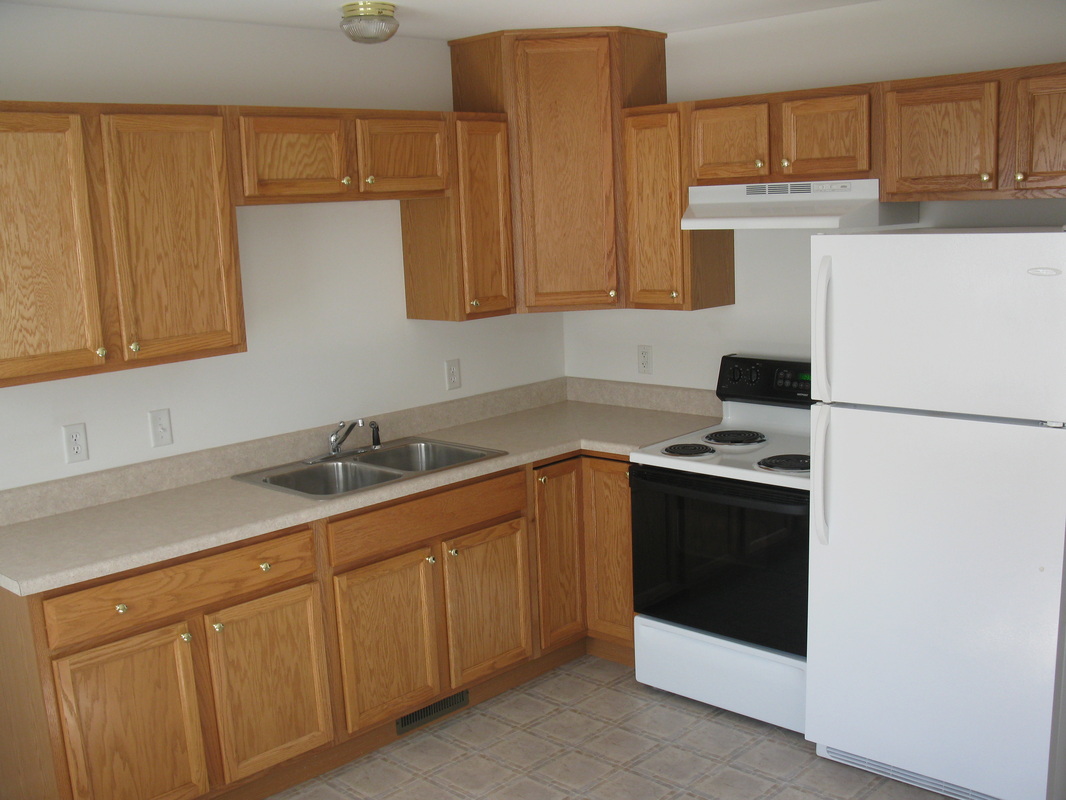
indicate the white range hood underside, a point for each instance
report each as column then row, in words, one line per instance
column 851, row 205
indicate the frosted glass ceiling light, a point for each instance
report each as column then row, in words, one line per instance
column 369, row 22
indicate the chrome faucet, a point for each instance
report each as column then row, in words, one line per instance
column 336, row 439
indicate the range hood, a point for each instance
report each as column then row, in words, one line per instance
column 812, row 204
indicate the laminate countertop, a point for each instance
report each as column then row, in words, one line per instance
column 52, row 552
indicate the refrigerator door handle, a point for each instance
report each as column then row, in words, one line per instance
column 820, row 318
column 819, row 443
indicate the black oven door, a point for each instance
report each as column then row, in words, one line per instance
column 719, row 555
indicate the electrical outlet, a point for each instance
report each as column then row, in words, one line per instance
column 159, row 427
column 453, row 379
column 644, row 359
column 75, row 443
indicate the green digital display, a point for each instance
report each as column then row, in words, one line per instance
column 805, row 376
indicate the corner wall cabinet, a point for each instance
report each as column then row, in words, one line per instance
column 457, row 250
column 563, row 91
column 120, row 245
column 667, row 267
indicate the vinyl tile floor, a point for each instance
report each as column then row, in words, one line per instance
column 588, row 730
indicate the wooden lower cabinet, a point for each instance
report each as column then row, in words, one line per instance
column 608, row 550
column 130, row 719
column 268, row 673
column 560, row 578
column 388, row 616
column 486, row 590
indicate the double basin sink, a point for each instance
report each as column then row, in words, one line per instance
column 362, row 469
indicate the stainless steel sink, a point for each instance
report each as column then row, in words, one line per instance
column 365, row 468
column 324, row 479
column 424, row 455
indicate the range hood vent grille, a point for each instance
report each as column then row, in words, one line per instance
column 755, row 189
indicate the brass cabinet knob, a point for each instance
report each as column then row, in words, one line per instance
column 431, row 559
column 135, row 347
column 759, row 163
column 347, row 180
column 543, row 479
column 475, row 302
column 371, row 179
column 265, row 566
column 454, row 551
column 218, row 626
column 786, row 163
column 1019, row 176
column 186, row 637
column 986, row 177
column 674, row 295
column 101, row 351
column 612, row 293
column 122, row 608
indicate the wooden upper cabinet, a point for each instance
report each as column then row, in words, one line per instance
column 667, row 267
column 941, row 138
column 821, row 135
column 1039, row 134
column 173, row 234
column 50, row 317
column 563, row 91
column 388, row 616
column 457, row 250
column 285, row 156
column 486, row 590
column 485, row 216
column 731, row 141
column 401, row 155
column 268, row 673
column 567, row 164
column 130, row 719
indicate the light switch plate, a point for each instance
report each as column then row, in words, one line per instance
column 159, row 427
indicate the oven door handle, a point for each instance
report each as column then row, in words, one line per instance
column 819, row 455
column 823, row 389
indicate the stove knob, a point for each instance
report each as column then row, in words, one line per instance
column 736, row 374
column 753, row 375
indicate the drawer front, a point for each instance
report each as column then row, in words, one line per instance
column 127, row 603
column 363, row 536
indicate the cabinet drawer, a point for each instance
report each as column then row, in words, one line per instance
column 365, row 535
column 113, row 607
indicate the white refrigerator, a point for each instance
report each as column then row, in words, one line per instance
column 938, row 509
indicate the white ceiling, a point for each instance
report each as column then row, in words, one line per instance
column 450, row 19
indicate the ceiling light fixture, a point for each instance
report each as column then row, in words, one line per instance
column 369, row 22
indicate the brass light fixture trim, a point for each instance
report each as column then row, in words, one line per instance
column 369, row 22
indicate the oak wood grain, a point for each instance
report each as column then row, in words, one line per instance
column 560, row 556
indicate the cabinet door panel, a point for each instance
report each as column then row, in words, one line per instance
column 130, row 719
column 486, row 584
column 172, row 228
column 485, row 216
column 825, row 135
column 653, row 210
column 566, row 158
column 941, row 139
column 49, row 306
column 1041, row 133
column 609, row 549
column 560, row 580
column 731, row 142
column 401, row 155
column 388, row 617
column 268, row 669
column 294, row 156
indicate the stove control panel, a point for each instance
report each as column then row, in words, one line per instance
column 765, row 380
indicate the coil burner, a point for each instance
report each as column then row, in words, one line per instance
column 735, row 437
column 792, row 462
column 689, row 450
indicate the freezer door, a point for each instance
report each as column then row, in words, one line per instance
column 935, row 592
column 967, row 323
